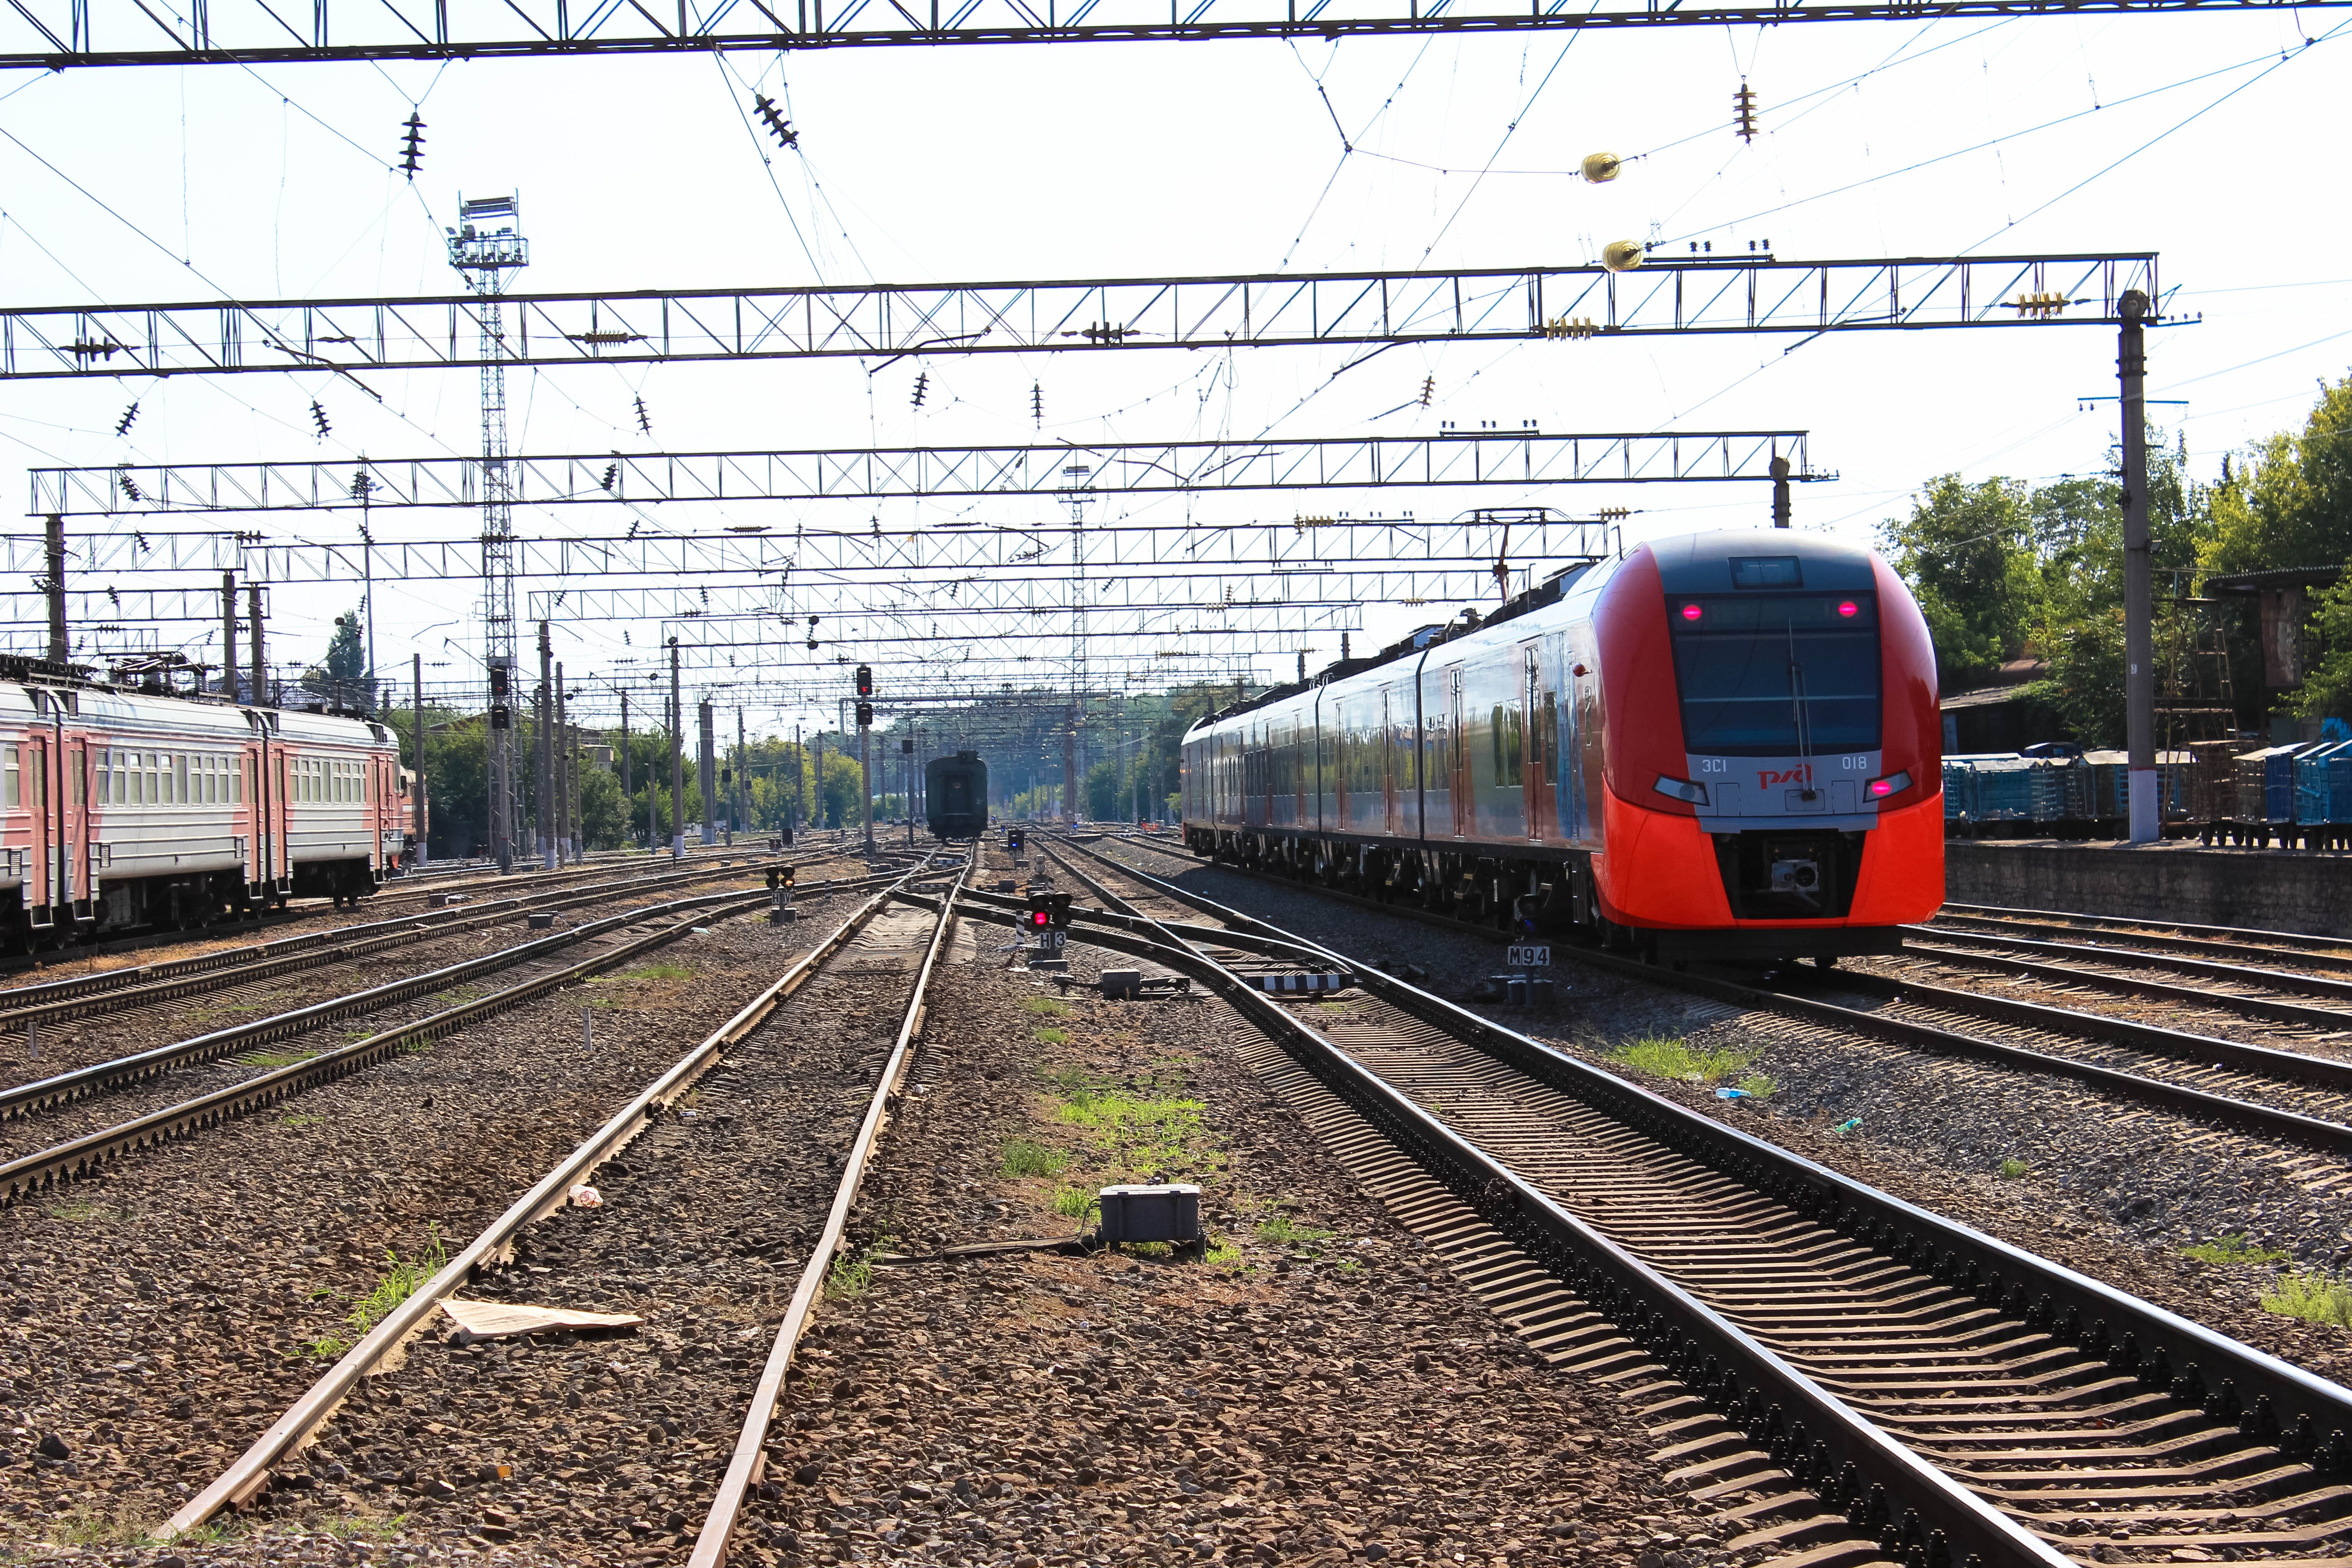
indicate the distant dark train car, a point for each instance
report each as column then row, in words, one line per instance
column 957, row 790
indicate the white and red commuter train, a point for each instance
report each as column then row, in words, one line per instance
column 121, row 809
column 1721, row 745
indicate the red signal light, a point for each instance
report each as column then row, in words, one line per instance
column 1848, row 608
column 1690, row 612
column 1038, row 917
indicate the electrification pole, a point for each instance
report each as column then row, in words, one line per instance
column 2139, row 610
column 543, row 816
column 628, row 813
column 228, row 636
column 708, row 739
column 676, row 762
column 567, row 827
column 742, row 768
column 416, row 785
column 259, row 673
column 56, row 584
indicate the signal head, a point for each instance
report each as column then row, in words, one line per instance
column 865, row 680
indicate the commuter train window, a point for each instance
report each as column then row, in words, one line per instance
column 180, row 779
column 12, row 764
column 1782, row 675
column 1765, row 572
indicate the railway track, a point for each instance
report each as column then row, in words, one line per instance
column 176, row 1108
column 112, row 990
column 760, row 1136
column 1845, row 1375
column 2127, row 942
column 2293, row 1102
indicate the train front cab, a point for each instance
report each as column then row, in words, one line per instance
column 1796, row 810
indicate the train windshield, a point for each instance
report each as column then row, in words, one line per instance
column 1776, row 675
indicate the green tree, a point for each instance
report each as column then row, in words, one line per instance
column 2292, row 504
column 2075, row 624
column 602, row 824
column 1965, row 552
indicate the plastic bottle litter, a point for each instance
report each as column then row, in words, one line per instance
column 1733, row 1094
column 1848, row 1125
column 586, row 1198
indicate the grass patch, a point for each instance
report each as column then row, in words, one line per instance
column 1076, row 1202
column 1222, row 1254
column 1051, row 1007
column 1027, row 1157
column 86, row 1526
column 2012, row 1170
column 1663, row 1057
column 299, row 1120
column 852, row 1274
column 360, row 1528
column 2314, row 1297
column 658, row 972
column 1757, row 1084
column 1285, row 1231
column 88, row 1211
column 2233, row 1248
column 1051, row 1037
column 402, row 1277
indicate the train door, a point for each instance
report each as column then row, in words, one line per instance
column 1457, row 757
column 79, row 885
column 1391, row 753
column 1541, row 704
column 41, row 858
column 248, row 817
column 1569, row 756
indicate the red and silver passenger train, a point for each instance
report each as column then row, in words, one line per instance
column 1718, row 746
column 122, row 809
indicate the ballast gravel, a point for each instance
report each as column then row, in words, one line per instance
column 2113, row 1190
column 160, row 1316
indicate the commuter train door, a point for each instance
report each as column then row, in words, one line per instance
column 1539, row 704
column 41, row 863
column 1457, row 757
column 80, row 889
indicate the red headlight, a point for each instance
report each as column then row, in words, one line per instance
column 1880, row 788
column 1848, row 608
column 1690, row 612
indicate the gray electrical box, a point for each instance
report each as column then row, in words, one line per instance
column 1170, row 1213
column 1122, row 983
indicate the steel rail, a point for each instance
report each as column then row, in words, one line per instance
column 2119, row 924
column 24, row 1098
column 747, row 1461
column 2270, row 1399
column 2264, row 1007
column 2166, row 958
column 81, row 1156
column 2127, row 941
column 2334, row 1136
column 82, row 995
column 1833, row 1448
column 2251, row 1115
column 249, row 1474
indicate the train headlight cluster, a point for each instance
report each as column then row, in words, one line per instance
column 1682, row 790
column 1892, row 783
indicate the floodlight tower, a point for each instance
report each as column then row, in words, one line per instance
column 485, row 246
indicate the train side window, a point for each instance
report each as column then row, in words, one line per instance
column 12, row 764
column 180, row 779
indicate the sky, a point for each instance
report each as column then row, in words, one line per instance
column 2194, row 135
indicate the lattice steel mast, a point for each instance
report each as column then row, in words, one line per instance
column 483, row 256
